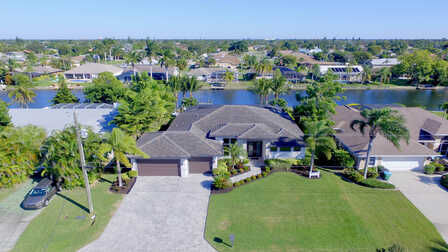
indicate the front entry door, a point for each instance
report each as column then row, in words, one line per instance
column 254, row 149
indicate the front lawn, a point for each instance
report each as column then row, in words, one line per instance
column 64, row 225
column 287, row 212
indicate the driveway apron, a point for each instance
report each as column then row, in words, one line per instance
column 426, row 193
column 159, row 214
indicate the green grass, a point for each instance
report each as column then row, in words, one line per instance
column 287, row 212
column 5, row 192
column 439, row 113
column 57, row 228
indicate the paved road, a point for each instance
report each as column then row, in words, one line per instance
column 160, row 214
column 426, row 193
column 13, row 219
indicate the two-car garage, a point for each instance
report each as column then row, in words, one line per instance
column 403, row 163
column 172, row 167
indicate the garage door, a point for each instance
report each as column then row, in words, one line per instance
column 199, row 165
column 403, row 164
column 158, row 167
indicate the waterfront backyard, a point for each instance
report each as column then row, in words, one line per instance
column 287, row 212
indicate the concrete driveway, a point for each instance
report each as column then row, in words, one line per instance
column 159, row 214
column 14, row 219
column 426, row 193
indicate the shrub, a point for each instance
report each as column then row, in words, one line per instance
column 245, row 161
column 124, row 176
column 248, row 179
column 221, row 170
column 374, row 183
column 246, row 168
column 439, row 167
column 277, row 163
column 254, row 177
column 227, row 184
column 225, row 162
column 267, row 169
column 264, row 174
column 444, row 181
column 343, row 158
column 371, row 172
column 234, row 172
column 430, row 168
column 353, row 175
column 132, row 173
column 259, row 176
column 219, row 182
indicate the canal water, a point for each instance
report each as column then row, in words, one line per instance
column 430, row 99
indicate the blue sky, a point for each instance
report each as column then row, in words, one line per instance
column 90, row 19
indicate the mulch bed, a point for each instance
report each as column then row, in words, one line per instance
column 125, row 189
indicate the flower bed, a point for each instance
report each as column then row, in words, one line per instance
column 356, row 177
column 126, row 188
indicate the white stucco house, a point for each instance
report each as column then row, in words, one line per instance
column 90, row 71
column 196, row 139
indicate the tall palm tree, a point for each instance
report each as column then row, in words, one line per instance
column 278, row 84
column 133, row 58
column 386, row 122
column 175, row 83
column 166, row 61
column 22, row 95
column 444, row 107
column 119, row 144
column 262, row 87
column 12, row 65
column 263, row 66
column 193, row 85
column 151, row 51
column 318, row 136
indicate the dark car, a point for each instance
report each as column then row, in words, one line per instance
column 40, row 195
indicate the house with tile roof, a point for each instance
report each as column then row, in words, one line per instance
column 90, row 71
column 195, row 140
column 428, row 139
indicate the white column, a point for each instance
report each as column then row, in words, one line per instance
column 215, row 163
column 134, row 164
column 184, row 167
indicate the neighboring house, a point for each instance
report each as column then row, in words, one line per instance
column 158, row 72
column 90, row 71
column 97, row 116
column 37, row 71
column 225, row 60
column 76, row 60
column 18, row 56
column 345, row 73
column 196, row 139
column 385, row 62
column 289, row 74
column 208, row 74
column 428, row 136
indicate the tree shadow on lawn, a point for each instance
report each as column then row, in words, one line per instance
column 105, row 180
column 219, row 240
column 73, row 202
column 443, row 246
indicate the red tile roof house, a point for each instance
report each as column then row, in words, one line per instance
column 195, row 139
column 428, row 139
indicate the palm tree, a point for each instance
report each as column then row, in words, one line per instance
column 167, row 61
column 12, row 65
column 193, row 85
column 235, row 151
column 318, row 136
column 118, row 144
column 385, row 75
column 133, row 58
column 278, row 84
column 262, row 87
column 175, row 83
column 386, row 122
column 264, row 66
column 444, row 107
column 151, row 51
column 22, row 95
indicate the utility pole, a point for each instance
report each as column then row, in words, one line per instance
column 83, row 167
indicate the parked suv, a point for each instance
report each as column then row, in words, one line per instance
column 40, row 195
